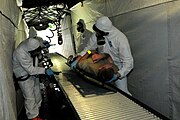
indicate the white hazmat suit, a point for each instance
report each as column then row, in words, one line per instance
column 23, row 66
column 117, row 46
column 84, row 37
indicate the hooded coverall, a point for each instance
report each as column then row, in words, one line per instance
column 84, row 37
column 23, row 66
column 117, row 46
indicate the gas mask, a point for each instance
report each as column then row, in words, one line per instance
column 100, row 35
column 100, row 39
column 36, row 52
column 80, row 27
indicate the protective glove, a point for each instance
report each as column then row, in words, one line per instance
column 115, row 77
column 73, row 64
column 49, row 72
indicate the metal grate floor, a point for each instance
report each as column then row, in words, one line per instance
column 112, row 106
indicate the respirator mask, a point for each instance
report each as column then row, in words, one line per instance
column 36, row 52
column 100, row 35
column 100, row 39
column 80, row 27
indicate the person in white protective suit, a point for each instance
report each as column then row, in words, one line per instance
column 25, row 68
column 84, row 36
column 108, row 39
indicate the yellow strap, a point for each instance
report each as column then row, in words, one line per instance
column 89, row 52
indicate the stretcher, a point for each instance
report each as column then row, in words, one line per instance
column 90, row 76
column 114, row 106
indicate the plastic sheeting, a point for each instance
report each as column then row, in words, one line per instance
column 174, row 57
column 7, row 92
column 147, row 32
column 152, row 28
column 22, row 31
column 68, row 46
column 117, row 7
column 19, row 2
column 9, row 29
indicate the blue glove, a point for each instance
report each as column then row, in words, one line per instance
column 115, row 77
column 47, row 44
column 73, row 64
column 49, row 72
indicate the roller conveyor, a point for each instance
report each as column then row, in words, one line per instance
column 94, row 102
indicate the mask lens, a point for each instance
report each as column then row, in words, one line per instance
column 101, row 42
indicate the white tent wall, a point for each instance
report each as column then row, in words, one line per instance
column 22, row 31
column 147, row 30
column 174, row 57
column 152, row 28
column 68, row 41
column 9, row 17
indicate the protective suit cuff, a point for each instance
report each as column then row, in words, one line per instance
column 121, row 74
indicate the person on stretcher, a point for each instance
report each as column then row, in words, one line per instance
column 104, row 69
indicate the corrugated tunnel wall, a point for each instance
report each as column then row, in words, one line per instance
column 152, row 28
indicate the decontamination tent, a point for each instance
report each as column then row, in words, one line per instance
column 152, row 28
